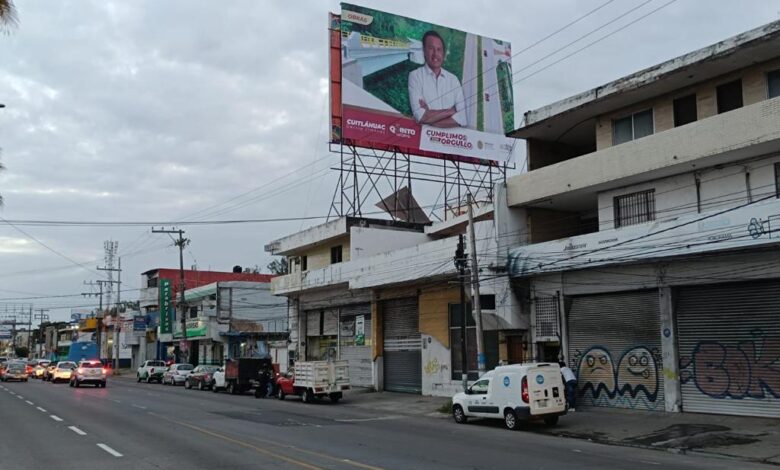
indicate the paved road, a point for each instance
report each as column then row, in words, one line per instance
column 147, row 426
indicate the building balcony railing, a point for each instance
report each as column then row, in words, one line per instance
column 743, row 133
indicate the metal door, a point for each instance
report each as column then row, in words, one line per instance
column 402, row 346
column 728, row 338
column 615, row 350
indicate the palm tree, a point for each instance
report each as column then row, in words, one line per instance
column 8, row 18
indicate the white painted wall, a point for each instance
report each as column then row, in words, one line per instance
column 367, row 241
column 723, row 138
column 720, row 188
column 437, row 369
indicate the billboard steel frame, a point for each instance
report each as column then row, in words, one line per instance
column 365, row 172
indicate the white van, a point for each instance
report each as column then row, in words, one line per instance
column 512, row 393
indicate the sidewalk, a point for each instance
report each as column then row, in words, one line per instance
column 743, row 438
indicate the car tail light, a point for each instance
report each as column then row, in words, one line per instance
column 105, row 371
column 524, row 388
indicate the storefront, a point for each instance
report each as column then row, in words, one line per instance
column 729, row 347
column 615, row 349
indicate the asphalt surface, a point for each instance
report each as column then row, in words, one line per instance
column 149, row 426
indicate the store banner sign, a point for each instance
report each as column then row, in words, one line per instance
column 166, row 319
column 360, row 330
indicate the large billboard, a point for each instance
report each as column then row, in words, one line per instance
column 420, row 87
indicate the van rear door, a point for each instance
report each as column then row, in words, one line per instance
column 545, row 390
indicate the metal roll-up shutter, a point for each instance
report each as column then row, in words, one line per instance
column 615, row 350
column 402, row 346
column 355, row 343
column 728, row 338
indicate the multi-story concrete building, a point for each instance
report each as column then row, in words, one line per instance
column 649, row 219
column 229, row 318
column 163, row 346
column 385, row 296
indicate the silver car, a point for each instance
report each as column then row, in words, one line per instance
column 177, row 374
column 89, row 372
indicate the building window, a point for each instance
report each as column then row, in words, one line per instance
column 490, row 341
column 304, row 263
column 684, row 110
column 634, row 208
column 773, row 83
column 193, row 312
column 335, row 254
column 487, row 301
column 632, row 127
column 151, row 282
column 729, row 96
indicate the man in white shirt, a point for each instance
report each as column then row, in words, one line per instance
column 570, row 381
column 435, row 94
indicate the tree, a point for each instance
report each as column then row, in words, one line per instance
column 8, row 18
column 279, row 266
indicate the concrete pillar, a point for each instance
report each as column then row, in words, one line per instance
column 671, row 368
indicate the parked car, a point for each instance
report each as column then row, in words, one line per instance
column 151, row 371
column 49, row 372
column 177, row 374
column 315, row 379
column 532, row 391
column 40, row 368
column 15, row 371
column 89, row 372
column 63, row 371
column 200, row 377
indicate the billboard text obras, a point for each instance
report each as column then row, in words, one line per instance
column 422, row 87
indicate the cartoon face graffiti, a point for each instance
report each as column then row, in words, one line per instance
column 596, row 372
column 638, row 371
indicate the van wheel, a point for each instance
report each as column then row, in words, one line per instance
column 280, row 393
column 551, row 420
column 510, row 420
column 138, row 376
column 307, row 396
column 459, row 415
column 214, row 387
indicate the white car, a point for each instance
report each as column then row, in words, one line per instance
column 512, row 393
column 63, row 371
column 176, row 374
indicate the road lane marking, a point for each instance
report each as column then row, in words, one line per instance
column 139, row 406
column 109, row 450
column 41, row 409
column 20, row 397
column 576, row 450
column 12, row 393
column 116, row 401
column 29, row 402
column 77, row 430
column 649, row 462
column 269, row 453
column 55, row 418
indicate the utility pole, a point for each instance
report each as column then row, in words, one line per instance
column 29, row 333
column 41, row 317
column 477, row 312
column 111, row 248
column 460, row 264
column 181, row 243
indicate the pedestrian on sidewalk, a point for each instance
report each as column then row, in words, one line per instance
column 570, row 380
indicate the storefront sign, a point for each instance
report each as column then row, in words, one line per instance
column 360, row 330
column 165, row 306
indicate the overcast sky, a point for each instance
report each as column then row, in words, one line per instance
column 157, row 110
